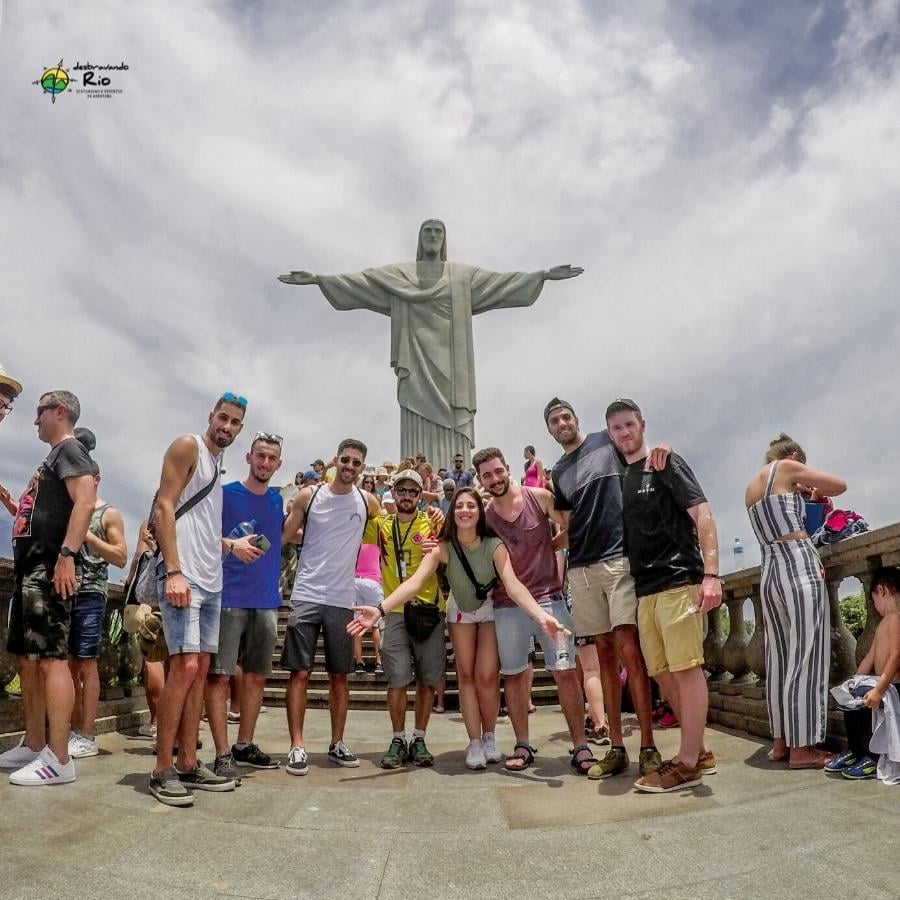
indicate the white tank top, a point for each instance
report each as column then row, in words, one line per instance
column 199, row 531
column 326, row 570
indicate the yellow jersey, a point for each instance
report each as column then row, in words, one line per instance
column 407, row 537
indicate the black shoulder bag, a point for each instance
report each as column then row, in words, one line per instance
column 419, row 616
column 482, row 591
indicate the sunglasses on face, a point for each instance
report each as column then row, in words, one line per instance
column 407, row 492
column 44, row 407
column 269, row 438
column 350, row 461
column 236, row 399
column 6, row 405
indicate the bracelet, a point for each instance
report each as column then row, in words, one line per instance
column 710, row 575
column 381, row 610
column 231, row 548
column 173, row 573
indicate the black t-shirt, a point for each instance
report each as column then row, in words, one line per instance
column 660, row 535
column 588, row 482
column 45, row 507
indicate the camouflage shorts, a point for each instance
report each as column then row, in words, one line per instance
column 39, row 618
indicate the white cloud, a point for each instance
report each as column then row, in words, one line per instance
column 739, row 234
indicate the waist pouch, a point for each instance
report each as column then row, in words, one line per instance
column 420, row 619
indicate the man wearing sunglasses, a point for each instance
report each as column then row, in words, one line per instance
column 333, row 517
column 190, row 596
column 252, row 519
column 51, row 523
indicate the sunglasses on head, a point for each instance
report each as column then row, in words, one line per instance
column 269, row 438
column 236, row 399
column 350, row 461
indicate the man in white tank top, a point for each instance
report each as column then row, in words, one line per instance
column 190, row 597
column 333, row 517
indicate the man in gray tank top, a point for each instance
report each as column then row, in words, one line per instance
column 333, row 517
column 521, row 517
column 104, row 544
column 190, row 599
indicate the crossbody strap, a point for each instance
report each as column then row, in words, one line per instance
column 461, row 556
column 187, row 506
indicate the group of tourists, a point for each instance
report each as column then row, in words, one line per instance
column 403, row 554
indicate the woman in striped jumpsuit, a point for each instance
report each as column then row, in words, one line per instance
column 794, row 602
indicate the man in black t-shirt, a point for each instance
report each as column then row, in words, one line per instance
column 587, row 487
column 672, row 546
column 51, row 524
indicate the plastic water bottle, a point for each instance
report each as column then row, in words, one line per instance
column 243, row 529
column 563, row 655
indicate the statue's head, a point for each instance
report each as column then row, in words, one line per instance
column 432, row 239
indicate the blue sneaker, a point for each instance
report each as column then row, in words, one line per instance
column 844, row 761
column 865, row 768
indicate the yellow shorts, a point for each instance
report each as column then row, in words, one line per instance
column 671, row 635
column 603, row 597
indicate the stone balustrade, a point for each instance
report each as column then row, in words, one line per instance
column 736, row 663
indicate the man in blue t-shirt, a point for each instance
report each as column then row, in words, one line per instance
column 252, row 519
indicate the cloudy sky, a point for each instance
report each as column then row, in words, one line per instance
column 725, row 171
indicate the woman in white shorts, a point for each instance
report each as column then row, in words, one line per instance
column 475, row 560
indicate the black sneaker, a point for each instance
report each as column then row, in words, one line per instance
column 200, row 778
column 168, row 789
column 340, row 753
column 224, row 767
column 360, row 668
column 252, row 756
column 379, row 669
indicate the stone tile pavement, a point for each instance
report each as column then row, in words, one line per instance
column 753, row 830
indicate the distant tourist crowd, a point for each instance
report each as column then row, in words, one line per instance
column 608, row 560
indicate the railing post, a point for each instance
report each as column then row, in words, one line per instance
column 756, row 647
column 712, row 645
column 734, row 651
column 843, row 644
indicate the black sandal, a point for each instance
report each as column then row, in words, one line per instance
column 583, row 765
column 525, row 760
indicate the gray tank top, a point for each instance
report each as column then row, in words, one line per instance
column 482, row 563
column 94, row 569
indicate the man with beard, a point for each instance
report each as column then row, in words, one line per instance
column 521, row 516
column 587, row 483
column 190, row 596
column 250, row 601
column 674, row 553
column 333, row 517
column 406, row 537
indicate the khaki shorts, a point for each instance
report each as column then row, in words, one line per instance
column 603, row 597
column 671, row 635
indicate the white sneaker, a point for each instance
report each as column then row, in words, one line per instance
column 46, row 769
column 83, row 746
column 18, row 756
column 475, row 758
column 147, row 731
column 491, row 753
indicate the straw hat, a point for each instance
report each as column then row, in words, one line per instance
column 10, row 382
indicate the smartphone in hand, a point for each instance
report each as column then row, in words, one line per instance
column 261, row 542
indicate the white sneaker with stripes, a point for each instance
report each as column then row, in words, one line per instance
column 46, row 769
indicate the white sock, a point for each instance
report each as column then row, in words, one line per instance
column 418, row 733
column 400, row 734
column 488, row 736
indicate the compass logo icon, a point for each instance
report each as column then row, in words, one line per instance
column 54, row 81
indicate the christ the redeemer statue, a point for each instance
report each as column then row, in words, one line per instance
column 431, row 303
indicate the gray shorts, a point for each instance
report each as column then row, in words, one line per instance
column 305, row 623
column 406, row 660
column 246, row 636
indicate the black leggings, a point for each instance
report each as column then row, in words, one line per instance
column 858, row 724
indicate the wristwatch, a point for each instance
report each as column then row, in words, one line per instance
column 66, row 552
column 381, row 610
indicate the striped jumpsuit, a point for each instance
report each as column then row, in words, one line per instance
column 796, row 618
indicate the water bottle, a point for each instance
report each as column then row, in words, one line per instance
column 563, row 654
column 242, row 529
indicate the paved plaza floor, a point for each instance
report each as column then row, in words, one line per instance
column 753, row 830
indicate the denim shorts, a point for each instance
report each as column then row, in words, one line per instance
column 515, row 629
column 194, row 628
column 86, row 627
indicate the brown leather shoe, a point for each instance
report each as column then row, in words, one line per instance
column 672, row 775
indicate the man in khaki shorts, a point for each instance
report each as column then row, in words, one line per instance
column 673, row 550
column 587, row 482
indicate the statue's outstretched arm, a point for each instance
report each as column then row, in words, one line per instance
column 299, row 278
column 558, row 273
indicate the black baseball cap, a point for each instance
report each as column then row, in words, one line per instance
column 553, row 404
column 622, row 404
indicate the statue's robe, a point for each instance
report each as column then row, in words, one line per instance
column 431, row 343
